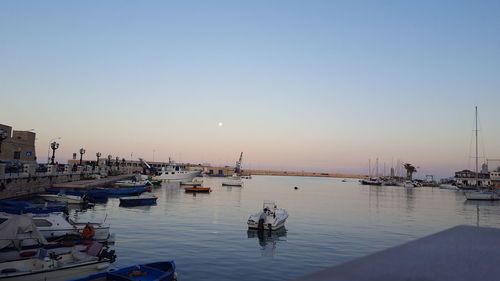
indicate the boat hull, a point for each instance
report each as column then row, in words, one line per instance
column 478, row 195
column 198, row 189
column 60, row 274
column 177, row 176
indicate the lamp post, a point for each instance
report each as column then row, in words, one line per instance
column 3, row 136
column 109, row 160
column 54, row 146
column 48, row 149
column 82, row 151
column 98, row 154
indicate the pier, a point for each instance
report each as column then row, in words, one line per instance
column 457, row 254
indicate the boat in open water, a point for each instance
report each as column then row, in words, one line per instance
column 270, row 218
column 198, row 189
column 234, row 180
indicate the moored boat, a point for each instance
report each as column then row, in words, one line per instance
column 61, row 197
column 192, row 183
column 56, row 225
column 25, row 207
column 156, row 271
column 270, row 218
column 198, row 189
column 79, row 260
column 234, row 180
column 482, row 195
column 371, row 181
column 143, row 199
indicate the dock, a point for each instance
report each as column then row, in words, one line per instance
column 456, row 254
column 88, row 184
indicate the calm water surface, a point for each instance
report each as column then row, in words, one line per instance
column 329, row 222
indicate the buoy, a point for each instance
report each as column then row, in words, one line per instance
column 296, row 188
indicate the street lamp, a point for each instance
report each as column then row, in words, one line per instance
column 82, row 151
column 48, row 149
column 109, row 160
column 98, row 154
column 3, row 136
column 54, row 146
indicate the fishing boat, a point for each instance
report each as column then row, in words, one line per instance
column 25, row 207
column 61, row 197
column 481, row 192
column 198, row 189
column 171, row 172
column 157, row 271
column 143, row 199
column 270, row 218
column 55, row 225
column 77, row 261
column 234, row 180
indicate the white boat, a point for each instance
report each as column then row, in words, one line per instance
column 55, row 225
column 192, row 183
column 270, row 218
column 60, row 197
column 234, row 180
column 174, row 172
column 481, row 195
column 411, row 184
column 78, row 261
column 131, row 183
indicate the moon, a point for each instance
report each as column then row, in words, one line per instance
column 220, row 124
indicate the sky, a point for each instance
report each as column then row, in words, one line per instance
column 297, row 85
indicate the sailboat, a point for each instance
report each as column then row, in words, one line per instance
column 481, row 192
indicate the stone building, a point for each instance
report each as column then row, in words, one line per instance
column 17, row 146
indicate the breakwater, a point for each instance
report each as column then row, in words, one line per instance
column 302, row 174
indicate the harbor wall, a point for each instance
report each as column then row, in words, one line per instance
column 30, row 181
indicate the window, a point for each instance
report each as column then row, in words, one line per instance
column 17, row 155
column 42, row 223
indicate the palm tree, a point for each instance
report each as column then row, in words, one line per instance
column 410, row 169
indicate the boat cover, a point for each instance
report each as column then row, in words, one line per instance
column 17, row 225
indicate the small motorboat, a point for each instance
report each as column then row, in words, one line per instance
column 198, row 189
column 143, row 199
column 411, row 184
column 28, row 207
column 164, row 270
column 371, row 181
column 270, row 218
column 78, row 260
column 56, row 225
column 126, row 191
column 61, row 197
column 234, row 180
column 192, row 183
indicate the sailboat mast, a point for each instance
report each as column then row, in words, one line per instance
column 477, row 175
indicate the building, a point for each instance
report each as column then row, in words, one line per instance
column 468, row 178
column 17, row 146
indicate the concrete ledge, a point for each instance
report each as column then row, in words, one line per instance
column 459, row 253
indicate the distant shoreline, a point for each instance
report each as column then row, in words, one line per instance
column 301, row 174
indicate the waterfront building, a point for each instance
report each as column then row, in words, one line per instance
column 468, row 178
column 17, row 146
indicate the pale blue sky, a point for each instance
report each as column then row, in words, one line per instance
column 313, row 85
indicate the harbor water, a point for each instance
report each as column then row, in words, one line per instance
column 330, row 222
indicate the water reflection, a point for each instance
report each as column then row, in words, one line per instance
column 268, row 239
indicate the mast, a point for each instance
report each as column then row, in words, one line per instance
column 477, row 175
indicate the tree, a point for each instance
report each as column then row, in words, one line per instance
column 410, row 169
